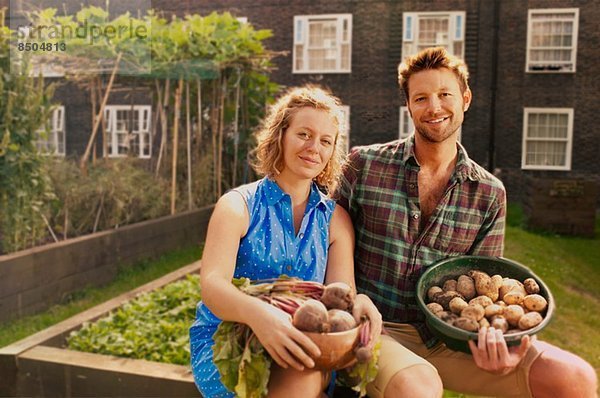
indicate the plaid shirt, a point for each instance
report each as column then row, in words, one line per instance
column 379, row 189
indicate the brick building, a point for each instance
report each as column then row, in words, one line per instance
column 531, row 62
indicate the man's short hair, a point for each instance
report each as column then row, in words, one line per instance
column 430, row 59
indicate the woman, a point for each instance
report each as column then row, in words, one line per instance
column 281, row 224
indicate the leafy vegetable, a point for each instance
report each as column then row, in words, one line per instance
column 154, row 326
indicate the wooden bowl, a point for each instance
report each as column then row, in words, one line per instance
column 337, row 349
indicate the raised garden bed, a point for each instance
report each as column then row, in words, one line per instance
column 39, row 365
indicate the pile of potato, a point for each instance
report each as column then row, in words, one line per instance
column 476, row 300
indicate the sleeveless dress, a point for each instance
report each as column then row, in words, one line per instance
column 269, row 248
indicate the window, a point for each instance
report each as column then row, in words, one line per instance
column 407, row 127
column 322, row 43
column 128, row 130
column 51, row 137
column 432, row 29
column 345, row 137
column 547, row 138
column 406, row 123
column 552, row 40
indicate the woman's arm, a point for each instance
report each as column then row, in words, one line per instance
column 340, row 268
column 228, row 224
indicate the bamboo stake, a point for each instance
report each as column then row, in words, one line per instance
column 175, row 145
column 236, row 137
column 86, row 155
column 199, row 100
column 164, row 122
column 93, row 98
column 220, row 149
column 188, row 128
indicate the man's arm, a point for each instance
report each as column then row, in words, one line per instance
column 350, row 175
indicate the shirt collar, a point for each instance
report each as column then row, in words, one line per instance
column 464, row 165
column 274, row 194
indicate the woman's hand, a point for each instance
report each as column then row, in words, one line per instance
column 287, row 345
column 364, row 306
column 492, row 354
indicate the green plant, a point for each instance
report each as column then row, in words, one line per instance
column 24, row 106
column 113, row 193
column 153, row 326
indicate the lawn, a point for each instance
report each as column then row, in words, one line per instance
column 570, row 267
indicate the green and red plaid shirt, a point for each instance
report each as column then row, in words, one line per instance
column 379, row 188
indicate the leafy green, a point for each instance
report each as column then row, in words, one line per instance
column 154, row 326
column 244, row 365
column 363, row 373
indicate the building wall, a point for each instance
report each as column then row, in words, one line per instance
column 518, row 89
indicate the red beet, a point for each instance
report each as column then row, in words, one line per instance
column 311, row 317
column 340, row 321
column 338, row 295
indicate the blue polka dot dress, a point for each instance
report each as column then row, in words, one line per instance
column 270, row 248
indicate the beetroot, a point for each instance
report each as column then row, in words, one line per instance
column 340, row 321
column 338, row 295
column 311, row 317
column 363, row 354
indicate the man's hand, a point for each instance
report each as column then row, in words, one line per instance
column 493, row 355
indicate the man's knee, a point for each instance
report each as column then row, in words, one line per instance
column 562, row 373
column 415, row 381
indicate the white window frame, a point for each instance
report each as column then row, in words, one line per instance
column 51, row 138
column 563, row 65
column 569, row 139
column 144, row 131
column 301, row 34
column 410, row 28
column 346, row 128
column 405, row 116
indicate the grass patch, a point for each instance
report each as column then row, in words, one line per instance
column 127, row 279
column 570, row 266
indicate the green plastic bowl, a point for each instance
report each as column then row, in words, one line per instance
column 451, row 268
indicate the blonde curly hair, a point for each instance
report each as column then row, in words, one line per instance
column 268, row 155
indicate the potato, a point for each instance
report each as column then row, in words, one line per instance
column 466, row 287
column 501, row 303
column 447, row 316
column 449, row 285
column 483, row 322
column 497, row 280
column 473, row 311
column 493, row 309
column 484, row 285
column 433, row 290
column 531, row 286
column 435, row 308
column 513, row 313
column 467, row 324
column 514, row 297
column 535, row 302
column 457, row 304
column 499, row 322
column 530, row 320
column 484, row 301
column 509, row 284
column 444, row 298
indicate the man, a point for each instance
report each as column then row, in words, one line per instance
column 416, row 201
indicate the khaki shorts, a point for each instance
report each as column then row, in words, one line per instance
column 456, row 369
